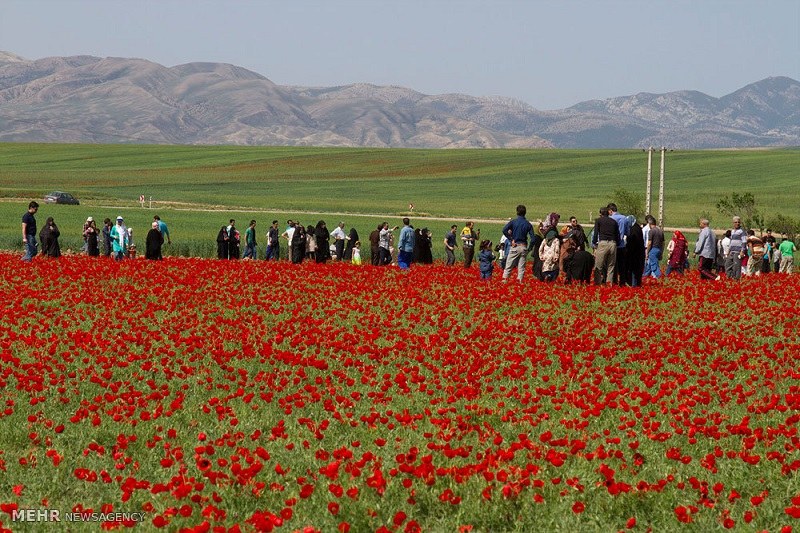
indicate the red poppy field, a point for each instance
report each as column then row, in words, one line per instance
column 218, row 396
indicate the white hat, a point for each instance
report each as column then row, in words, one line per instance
column 119, row 218
column 90, row 219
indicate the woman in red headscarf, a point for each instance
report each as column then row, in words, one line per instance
column 678, row 250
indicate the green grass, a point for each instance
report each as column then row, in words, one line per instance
column 458, row 184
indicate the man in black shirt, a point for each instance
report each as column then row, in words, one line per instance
column 29, row 231
column 604, row 241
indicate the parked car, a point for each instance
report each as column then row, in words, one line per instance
column 58, row 197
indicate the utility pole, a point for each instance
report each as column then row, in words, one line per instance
column 661, row 190
column 647, row 202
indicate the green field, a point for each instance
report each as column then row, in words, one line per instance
column 243, row 182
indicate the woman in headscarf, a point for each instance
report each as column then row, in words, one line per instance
column 49, row 239
column 298, row 244
column 549, row 252
column 323, row 236
column 678, row 250
column 222, row 243
column 311, row 243
column 352, row 239
column 120, row 239
column 153, row 242
column 635, row 251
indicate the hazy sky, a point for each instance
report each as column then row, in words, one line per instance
column 548, row 53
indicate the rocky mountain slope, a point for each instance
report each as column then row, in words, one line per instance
column 120, row 100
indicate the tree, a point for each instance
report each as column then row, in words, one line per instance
column 630, row 203
column 744, row 206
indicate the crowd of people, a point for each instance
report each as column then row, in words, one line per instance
column 618, row 249
column 113, row 239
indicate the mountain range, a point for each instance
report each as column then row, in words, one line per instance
column 87, row 99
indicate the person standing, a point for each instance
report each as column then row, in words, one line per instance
column 153, row 242
column 549, row 253
column 755, row 254
column 621, row 269
column 787, row 250
column 468, row 238
column 406, row 245
column 298, row 243
column 374, row 246
column 636, row 250
column 91, row 236
column 288, row 235
column 273, row 243
column 162, row 227
column 450, row 246
column 486, row 260
column 250, row 241
column 678, row 250
column 29, row 232
column 605, row 238
column 49, row 238
column 352, row 239
column 234, row 240
column 222, row 243
column 706, row 248
column 517, row 231
column 120, row 239
column 322, row 236
column 385, row 244
column 107, row 245
column 655, row 247
column 770, row 245
column 738, row 243
column 339, row 239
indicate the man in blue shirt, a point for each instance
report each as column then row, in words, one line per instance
column 517, row 231
column 162, row 227
column 622, row 272
column 405, row 248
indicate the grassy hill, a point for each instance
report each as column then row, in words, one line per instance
column 459, row 184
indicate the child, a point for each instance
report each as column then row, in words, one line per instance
column 357, row 253
column 486, row 259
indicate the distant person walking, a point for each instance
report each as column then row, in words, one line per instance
column 29, row 232
column 250, row 241
column 706, row 248
column 162, row 228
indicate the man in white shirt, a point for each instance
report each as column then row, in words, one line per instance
column 339, row 239
column 288, row 234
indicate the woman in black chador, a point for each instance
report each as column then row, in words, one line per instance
column 222, row 243
column 153, row 243
column 323, row 242
column 422, row 247
column 298, row 244
column 49, row 238
column 351, row 240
